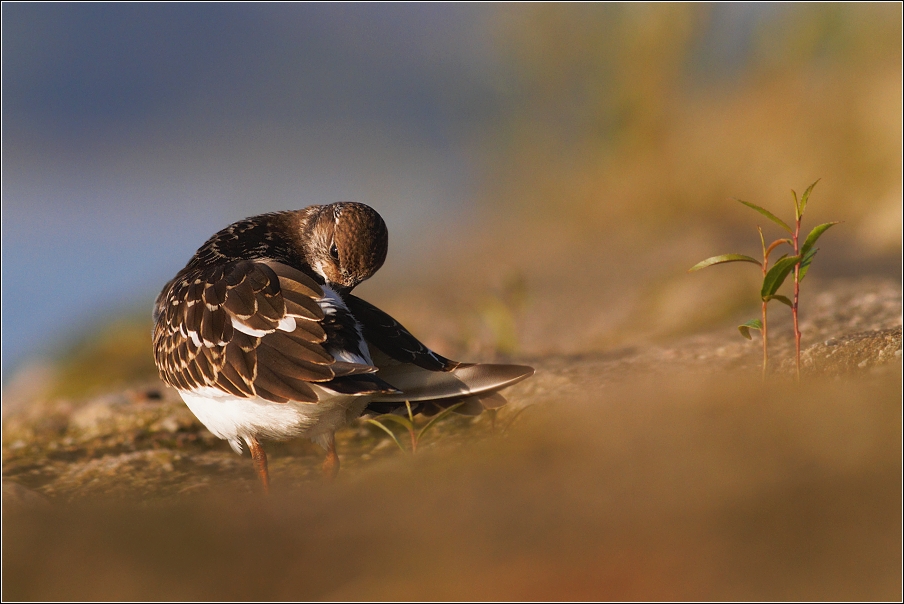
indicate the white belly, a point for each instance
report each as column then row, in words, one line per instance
column 234, row 419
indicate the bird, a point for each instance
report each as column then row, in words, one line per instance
column 263, row 339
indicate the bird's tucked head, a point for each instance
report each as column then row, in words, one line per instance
column 345, row 243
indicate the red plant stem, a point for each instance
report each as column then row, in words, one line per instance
column 765, row 339
column 796, row 296
column 765, row 353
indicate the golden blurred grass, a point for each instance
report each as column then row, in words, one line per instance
column 612, row 168
column 105, row 357
column 621, row 118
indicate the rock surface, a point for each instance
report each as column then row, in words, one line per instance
column 658, row 471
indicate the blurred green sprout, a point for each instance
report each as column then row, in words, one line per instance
column 408, row 424
column 798, row 263
column 501, row 312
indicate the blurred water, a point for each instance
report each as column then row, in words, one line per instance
column 132, row 133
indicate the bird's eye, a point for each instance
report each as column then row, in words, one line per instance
column 334, row 251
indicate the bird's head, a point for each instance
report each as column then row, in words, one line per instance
column 346, row 243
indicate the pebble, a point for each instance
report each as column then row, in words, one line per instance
column 167, row 424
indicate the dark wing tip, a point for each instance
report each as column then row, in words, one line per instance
column 389, row 336
column 357, row 384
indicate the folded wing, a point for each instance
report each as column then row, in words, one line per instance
column 251, row 329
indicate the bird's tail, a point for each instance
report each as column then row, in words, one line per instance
column 429, row 392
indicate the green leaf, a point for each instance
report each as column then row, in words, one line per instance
column 814, row 235
column 387, row 431
column 767, row 214
column 796, row 205
column 762, row 242
column 806, row 196
column 783, row 299
column 438, row 417
column 805, row 264
column 776, row 275
column 723, row 259
column 746, row 327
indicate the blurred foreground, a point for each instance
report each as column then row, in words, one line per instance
column 688, row 486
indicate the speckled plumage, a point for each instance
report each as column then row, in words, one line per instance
column 263, row 339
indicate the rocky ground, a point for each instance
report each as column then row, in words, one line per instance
column 681, row 435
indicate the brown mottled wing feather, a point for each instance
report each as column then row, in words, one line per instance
column 249, row 328
column 387, row 334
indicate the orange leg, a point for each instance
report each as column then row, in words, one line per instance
column 331, row 463
column 259, row 457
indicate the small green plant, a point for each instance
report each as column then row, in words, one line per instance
column 501, row 312
column 408, row 424
column 798, row 263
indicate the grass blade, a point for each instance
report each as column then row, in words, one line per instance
column 399, row 420
column 814, row 235
column 723, row 259
column 438, row 417
column 805, row 197
column 514, row 417
column 746, row 327
column 387, row 431
column 776, row 275
column 783, row 299
column 768, row 215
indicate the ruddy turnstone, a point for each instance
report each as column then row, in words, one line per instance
column 263, row 339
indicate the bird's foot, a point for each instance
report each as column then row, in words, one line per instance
column 259, row 457
column 331, row 463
